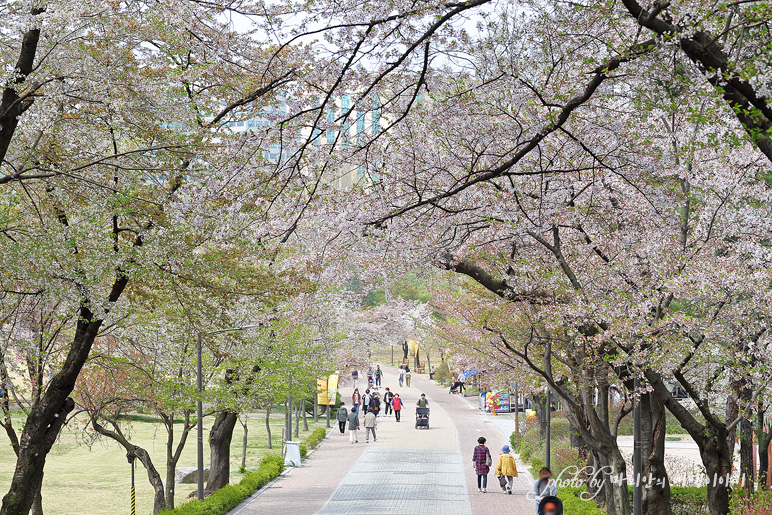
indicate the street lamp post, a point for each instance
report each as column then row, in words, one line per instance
column 549, row 424
column 199, row 403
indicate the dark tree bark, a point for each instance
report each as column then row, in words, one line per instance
column 268, row 426
column 136, row 452
column 173, row 452
column 539, row 405
column 764, row 440
column 405, row 350
column 747, row 475
column 712, row 439
column 656, row 495
column 220, row 437
column 46, row 417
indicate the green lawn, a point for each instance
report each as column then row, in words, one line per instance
column 94, row 478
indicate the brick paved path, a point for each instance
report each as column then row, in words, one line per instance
column 406, row 471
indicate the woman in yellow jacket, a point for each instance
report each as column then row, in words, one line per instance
column 506, row 470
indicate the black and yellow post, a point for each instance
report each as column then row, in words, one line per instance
column 133, row 492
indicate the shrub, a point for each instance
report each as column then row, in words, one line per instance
column 228, row 497
column 575, row 505
column 442, row 375
column 759, row 504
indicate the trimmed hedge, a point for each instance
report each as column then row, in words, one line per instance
column 225, row 499
column 228, row 497
column 574, row 505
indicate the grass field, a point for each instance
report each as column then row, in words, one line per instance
column 94, row 478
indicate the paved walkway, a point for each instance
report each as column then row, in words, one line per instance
column 407, row 470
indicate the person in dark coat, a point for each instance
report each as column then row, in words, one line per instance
column 342, row 416
column 353, row 426
column 550, row 505
column 482, row 464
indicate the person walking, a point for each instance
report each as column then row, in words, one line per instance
column 353, row 426
column 397, row 405
column 356, row 401
column 387, row 398
column 545, row 486
column 482, row 464
column 423, row 402
column 355, row 377
column 366, row 400
column 375, row 402
column 401, row 375
column 506, row 470
column 378, row 375
column 407, row 375
column 342, row 417
column 371, row 421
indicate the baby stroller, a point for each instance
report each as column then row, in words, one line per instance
column 456, row 387
column 370, row 378
column 422, row 418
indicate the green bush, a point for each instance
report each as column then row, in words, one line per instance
column 685, row 500
column 225, row 499
column 575, row 505
column 442, row 375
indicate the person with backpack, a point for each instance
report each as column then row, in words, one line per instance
column 378, row 375
column 342, row 416
column 375, row 403
column 407, row 375
column 544, row 486
column 482, row 464
column 387, row 398
column 506, row 470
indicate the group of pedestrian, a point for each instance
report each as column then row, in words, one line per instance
column 403, row 375
column 371, row 404
column 545, row 489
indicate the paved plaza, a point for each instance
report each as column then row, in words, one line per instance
column 406, row 470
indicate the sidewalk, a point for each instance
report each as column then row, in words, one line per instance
column 472, row 423
column 406, row 471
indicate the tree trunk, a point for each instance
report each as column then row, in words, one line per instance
column 718, row 466
column 46, row 417
column 316, row 407
column 268, row 426
column 220, row 437
column 305, row 419
column 170, row 464
column 297, row 419
column 594, row 488
column 244, row 443
column 656, row 494
column 614, row 476
column 37, row 504
column 142, row 455
column 539, row 405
